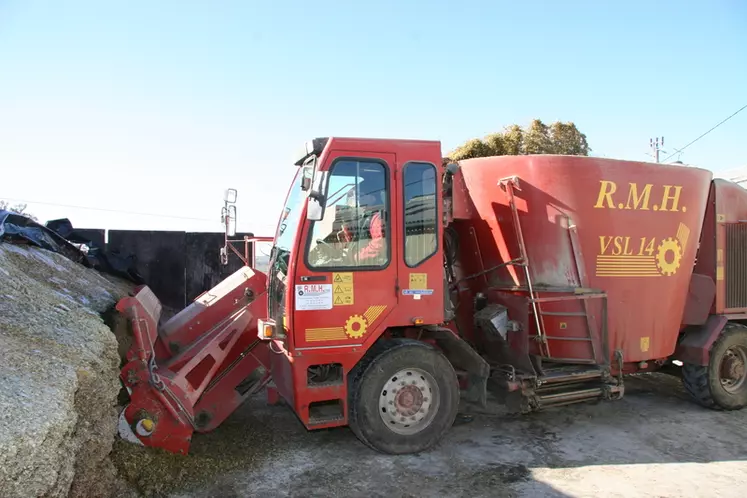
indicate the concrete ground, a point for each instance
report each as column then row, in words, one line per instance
column 654, row 442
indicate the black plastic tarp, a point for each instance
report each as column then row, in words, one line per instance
column 60, row 236
column 20, row 229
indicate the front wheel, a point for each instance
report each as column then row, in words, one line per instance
column 403, row 397
column 722, row 384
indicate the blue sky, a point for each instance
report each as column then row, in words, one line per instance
column 157, row 107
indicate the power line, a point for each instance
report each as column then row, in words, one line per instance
column 105, row 210
column 706, row 133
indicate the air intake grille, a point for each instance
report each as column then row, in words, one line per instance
column 736, row 265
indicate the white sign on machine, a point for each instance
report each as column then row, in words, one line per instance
column 314, row 297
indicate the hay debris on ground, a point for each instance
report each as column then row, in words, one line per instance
column 240, row 443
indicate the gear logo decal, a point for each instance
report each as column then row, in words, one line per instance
column 642, row 257
column 668, row 257
column 355, row 327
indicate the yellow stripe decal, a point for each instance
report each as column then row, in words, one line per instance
column 683, row 233
column 373, row 312
column 325, row 334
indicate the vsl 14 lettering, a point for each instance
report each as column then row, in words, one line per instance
column 626, row 246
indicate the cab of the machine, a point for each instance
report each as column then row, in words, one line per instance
column 357, row 252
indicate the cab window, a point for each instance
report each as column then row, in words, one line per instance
column 420, row 208
column 354, row 231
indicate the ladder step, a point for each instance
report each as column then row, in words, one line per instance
column 580, row 395
column 557, row 338
column 561, row 313
column 570, row 376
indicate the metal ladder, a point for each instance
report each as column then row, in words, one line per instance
column 582, row 293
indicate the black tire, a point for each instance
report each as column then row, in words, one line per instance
column 368, row 379
column 703, row 383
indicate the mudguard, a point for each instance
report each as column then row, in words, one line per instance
column 696, row 342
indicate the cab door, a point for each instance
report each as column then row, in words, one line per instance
column 345, row 281
column 421, row 265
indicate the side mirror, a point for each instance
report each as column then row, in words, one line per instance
column 317, row 197
column 307, row 174
column 229, row 219
column 230, row 196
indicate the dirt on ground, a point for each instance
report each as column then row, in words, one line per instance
column 654, row 442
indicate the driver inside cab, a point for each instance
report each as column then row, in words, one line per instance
column 372, row 241
column 360, row 238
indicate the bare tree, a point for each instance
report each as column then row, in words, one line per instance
column 17, row 208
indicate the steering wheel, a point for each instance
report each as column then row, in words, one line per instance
column 320, row 241
column 340, row 255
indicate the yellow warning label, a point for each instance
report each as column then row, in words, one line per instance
column 645, row 343
column 342, row 289
column 342, row 278
column 418, row 281
column 719, row 273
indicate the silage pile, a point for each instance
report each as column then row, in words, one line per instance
column 58, row 375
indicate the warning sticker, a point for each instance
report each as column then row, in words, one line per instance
column 343, row 289
column 342, row 278
column 418, row 280
column 314, row 297
column 645, row 343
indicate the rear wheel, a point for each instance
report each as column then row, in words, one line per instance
column 404, row 396
column 722, row 384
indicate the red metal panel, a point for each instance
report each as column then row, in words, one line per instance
column 281, row 366
column 706, row 263
column 638, row 226
column 700, row 299
column 730, row 209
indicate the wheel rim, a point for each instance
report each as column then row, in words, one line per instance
column 733, row 368
column 409, row 401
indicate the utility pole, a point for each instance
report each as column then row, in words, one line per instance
column 655, row 147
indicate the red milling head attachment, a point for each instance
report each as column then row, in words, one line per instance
column 192, row 373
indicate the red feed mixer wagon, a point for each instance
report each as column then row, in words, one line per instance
column 400, row 283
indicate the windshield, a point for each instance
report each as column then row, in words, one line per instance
column 289, row 216
column 281, row 251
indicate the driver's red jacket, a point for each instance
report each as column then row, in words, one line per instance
column 373, row 248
